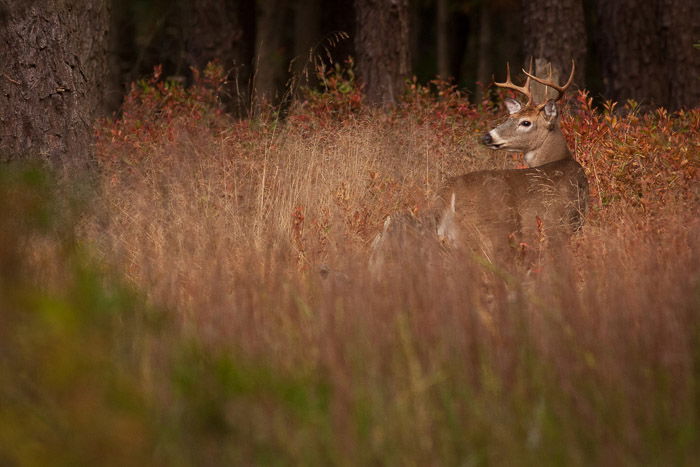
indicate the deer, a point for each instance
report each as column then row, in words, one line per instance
column 498, row 214
column 502, row 211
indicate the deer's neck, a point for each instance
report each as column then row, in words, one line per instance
column 553, row 148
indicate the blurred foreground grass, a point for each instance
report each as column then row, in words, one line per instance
column 92, row 375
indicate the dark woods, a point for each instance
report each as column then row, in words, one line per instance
column 67, row 62
column 623, row 50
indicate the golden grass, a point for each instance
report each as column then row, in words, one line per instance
column 592, row 358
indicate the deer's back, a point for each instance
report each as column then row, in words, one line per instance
column 500, row 207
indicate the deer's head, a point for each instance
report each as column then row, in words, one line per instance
column 531, row 128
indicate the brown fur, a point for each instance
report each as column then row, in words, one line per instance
column 497, row 211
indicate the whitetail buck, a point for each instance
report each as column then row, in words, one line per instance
column 498, row 213
column 501, row 210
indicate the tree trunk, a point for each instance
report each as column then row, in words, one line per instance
column 382, row 47
column 554, row 33
column 124, row 53
column 680, row 21
column 270, row 59
column 55, row 66
column 484, row 67
column 307, row 36
column 443, row 38
column 647, row 53
column 214, row 30
column 221, row 30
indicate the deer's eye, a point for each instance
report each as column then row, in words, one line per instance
column 525, row 123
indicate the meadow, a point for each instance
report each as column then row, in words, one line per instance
column 201, row 295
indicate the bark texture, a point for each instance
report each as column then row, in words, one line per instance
column 382, row 47
column 647, row 52
column 554, row 32
column 55, row 71
column 271, row 59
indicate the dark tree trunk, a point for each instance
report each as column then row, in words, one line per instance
column 554, row 33
column 180, row 34
column 123, row 53
column 214, row 30
column 221, row 30
column 271, row 60
column 647, row 53
column 680, row 21
column 307, row 35
column 442, row 28
column 55, row 66
column 382, row 47
column 484, row 67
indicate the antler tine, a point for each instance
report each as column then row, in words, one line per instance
column 529, row 70
column 548, row 82
column 508, row 84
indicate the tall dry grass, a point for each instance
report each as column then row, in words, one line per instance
column 256, row 237
column 253, row 238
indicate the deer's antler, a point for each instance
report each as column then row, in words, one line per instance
column 524, row 89
column 549, row 83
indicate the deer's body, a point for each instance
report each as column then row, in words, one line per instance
column 497, row 210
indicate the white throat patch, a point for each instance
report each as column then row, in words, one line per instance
column 530, row 157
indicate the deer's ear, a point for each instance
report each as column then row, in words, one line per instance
column 550, row 110
column 512, row 105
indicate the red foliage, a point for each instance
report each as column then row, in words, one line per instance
column 338, row 99
column 155, row 109
column 642, row 160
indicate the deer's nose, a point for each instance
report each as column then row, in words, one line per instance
column 486, row 139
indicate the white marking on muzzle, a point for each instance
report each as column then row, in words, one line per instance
column 495, row 137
